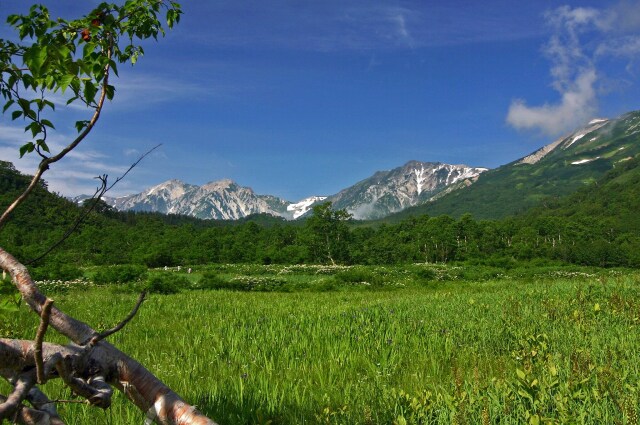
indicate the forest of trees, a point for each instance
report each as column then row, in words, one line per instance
column 596, row 226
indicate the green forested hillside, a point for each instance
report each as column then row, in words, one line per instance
column 597, row 225
column 613, row 201
column 579, row 160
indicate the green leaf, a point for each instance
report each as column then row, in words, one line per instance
column 110, row 91
column 43, row 145
column 26, row 148
column 80, row 125
column 64, row 81
column 13, row 19
column 34, row 127
column 114, row 67
column 30, row 58
column 90, row 91
column 8, row 105
column 41, row 57
column 25, row 105
column 46, row 123
column 16, row 114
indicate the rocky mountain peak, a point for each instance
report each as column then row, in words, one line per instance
column 390, row 191
column 224, row 184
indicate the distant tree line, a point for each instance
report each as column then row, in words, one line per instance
column 597, row 226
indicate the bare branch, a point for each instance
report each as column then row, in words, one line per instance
column 27, row 416
column 21, row 387
column 95, row 390
column 98, row 194
column 42, row 330
column 143, row 156
column 122, row 324
column 100, row 191
column 42, row 403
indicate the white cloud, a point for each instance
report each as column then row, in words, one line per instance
column 577, row 106
column 576, row 69
column 73, row 175
column 139, row 91
column 131, row 152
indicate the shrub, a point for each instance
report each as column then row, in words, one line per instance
column 355, row 275
column 120, row 274
column 211, row 280
column 257, row 284
column 425, row 274
column 166, row 284
column 481, row 273
column 159, row 259
column 56, row 271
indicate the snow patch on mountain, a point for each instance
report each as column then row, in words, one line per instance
column 420, row 178
column 584, row 161
column 301, row 208
column 466, row 174
column 564, row 142
column 592, row 126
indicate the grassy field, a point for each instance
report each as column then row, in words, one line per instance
column 417, row 345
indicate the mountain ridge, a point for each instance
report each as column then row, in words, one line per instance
column 383, row 193
column 556, row 169
column 560, row 168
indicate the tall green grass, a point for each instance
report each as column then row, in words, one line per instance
column 547, row 349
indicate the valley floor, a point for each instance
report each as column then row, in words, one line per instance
column 552, row 347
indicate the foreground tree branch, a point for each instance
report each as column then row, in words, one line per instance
column 88, row 365
column 42, row 330
column 32, row 416
column 76, row 57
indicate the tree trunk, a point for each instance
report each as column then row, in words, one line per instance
column 82, row 363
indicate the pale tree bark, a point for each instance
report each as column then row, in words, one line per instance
column 89, row 365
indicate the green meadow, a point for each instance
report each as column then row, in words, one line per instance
column 372, row 345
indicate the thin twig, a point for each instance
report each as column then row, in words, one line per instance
column 66, row 401
column 120, row 325
column 133, row 166
column 97, row 196
column 42, row 330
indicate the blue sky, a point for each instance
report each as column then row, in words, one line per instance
column 302, row 98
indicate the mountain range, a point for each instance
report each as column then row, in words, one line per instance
column 383, row 193
column 557, row 169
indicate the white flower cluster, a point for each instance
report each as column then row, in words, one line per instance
column 62, row 285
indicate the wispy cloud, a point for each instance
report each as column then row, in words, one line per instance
column 576, row 69
column 71, row 176
column 355, row 25
column 140, row 91
column 373, row 27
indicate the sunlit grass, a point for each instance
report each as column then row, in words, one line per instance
column 511, row 350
